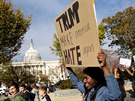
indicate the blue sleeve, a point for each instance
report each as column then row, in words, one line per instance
column 113, row 91
column 77, row 83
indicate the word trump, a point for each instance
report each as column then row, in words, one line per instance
column 73, row 54
column 68, row 20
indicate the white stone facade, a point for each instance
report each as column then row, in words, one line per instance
column 32, row 62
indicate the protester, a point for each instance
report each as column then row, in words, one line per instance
column 22, row 88
column 99, row 83
column 120, row 79
column 26, row 93
column 14, row 91
column 133, row 79
column 43, row 93
column 35, row 91
column 132, row 74
column 50, row 87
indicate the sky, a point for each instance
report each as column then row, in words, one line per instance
column 42, row 26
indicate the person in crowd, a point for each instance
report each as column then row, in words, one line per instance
column 118, row 75
column 14, row 91
column 35, row 91
column 22, row 88
column 49, row 86
column 43, row 93
column 26, row 93
column 133, row 78
column 132, row 74
column 99, row 83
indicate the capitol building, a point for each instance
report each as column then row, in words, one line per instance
column 33, row 63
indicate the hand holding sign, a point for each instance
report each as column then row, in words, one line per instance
column 101, row 58
column 102, row 61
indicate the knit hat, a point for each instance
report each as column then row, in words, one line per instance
column 96, row 73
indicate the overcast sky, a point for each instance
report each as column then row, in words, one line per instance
column 43, row 14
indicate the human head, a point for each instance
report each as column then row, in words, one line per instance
column 42, row 90
column 93, row 77
column 22, row 88
column 34, row 86
column 13, row 88
column 133, row 68
column 28, row 87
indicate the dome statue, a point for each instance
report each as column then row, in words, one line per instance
column 32, row 54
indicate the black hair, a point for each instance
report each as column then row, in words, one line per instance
column 97, row 74
column 12, row 83
column 23, row 85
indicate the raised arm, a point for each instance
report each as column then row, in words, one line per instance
column 75, row 80
column 102, row 61
column 112, row 91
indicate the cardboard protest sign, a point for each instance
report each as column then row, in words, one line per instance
column 78, row 34
column 124, row 61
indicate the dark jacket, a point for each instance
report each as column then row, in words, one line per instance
column 46, row 98
column 28, row 95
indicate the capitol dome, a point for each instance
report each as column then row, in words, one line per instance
column 32, row 54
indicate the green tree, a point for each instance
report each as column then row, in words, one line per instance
column 13, row 27
column 67, row 84
column 44, row 78
column 120, row 29
column 17, row 74
column 101, row 33
column 56, row 49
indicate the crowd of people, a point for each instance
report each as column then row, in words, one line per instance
column 27, row 92
column 129, row 74
column 99, row 84
column 103, row 83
